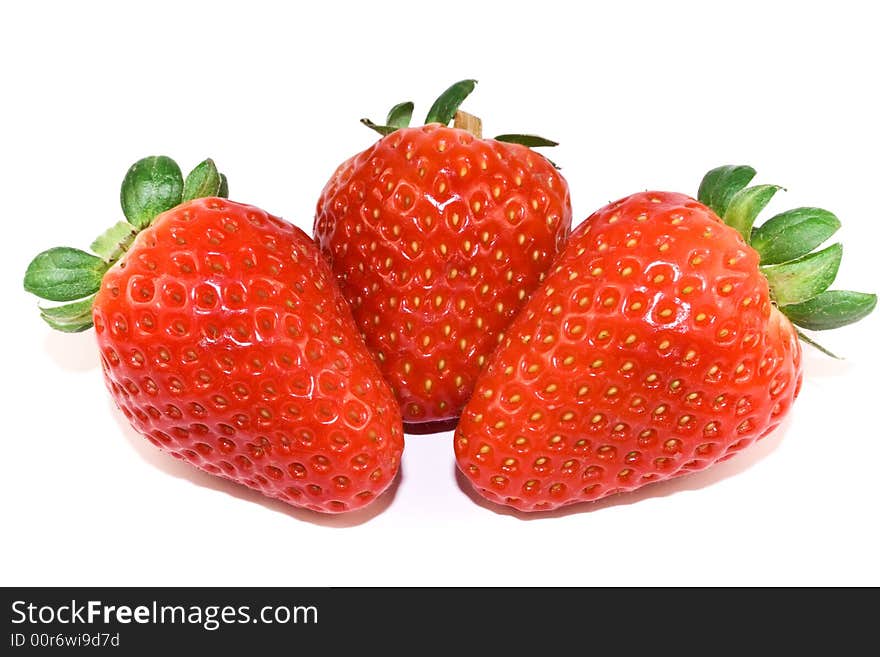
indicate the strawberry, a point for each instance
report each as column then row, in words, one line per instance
column 225, row 341
column 436, row 237
column 660, row 343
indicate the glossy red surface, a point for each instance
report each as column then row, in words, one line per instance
column 225, row 342
column 436, row 239
column 651, row 350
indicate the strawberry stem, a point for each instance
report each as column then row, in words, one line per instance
column 473, row 124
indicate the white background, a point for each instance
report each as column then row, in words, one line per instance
column 640, row 96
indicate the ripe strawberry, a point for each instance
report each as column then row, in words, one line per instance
column 225, row 342
column 654, row 348
column 436, row 237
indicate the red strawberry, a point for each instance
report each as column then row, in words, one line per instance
column 225, row 342
column 654, row 348
column 436, row 237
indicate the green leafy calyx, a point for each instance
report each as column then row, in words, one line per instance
column 64, row 274
column 400, row 115
column 444, row 108
column 151, row 186
column 443, row 111
column 799, row 275
column 202, row 181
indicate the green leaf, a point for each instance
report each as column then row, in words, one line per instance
column 151, row 186
column 70, row 318
column 532, row 141
column 64, row 274
column 381, row 129
column 114, row 241
column 804, row 278
column 445, row 106
column 223, row 192
column 720, row 184
column 831, row 309
column 816, row 345
column 202, row 181
column 792, row 234
column 745, row 206
column 400, row 115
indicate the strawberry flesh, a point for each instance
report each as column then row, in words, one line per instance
column 651, row 350
column 436, row 239
column 226, row 343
